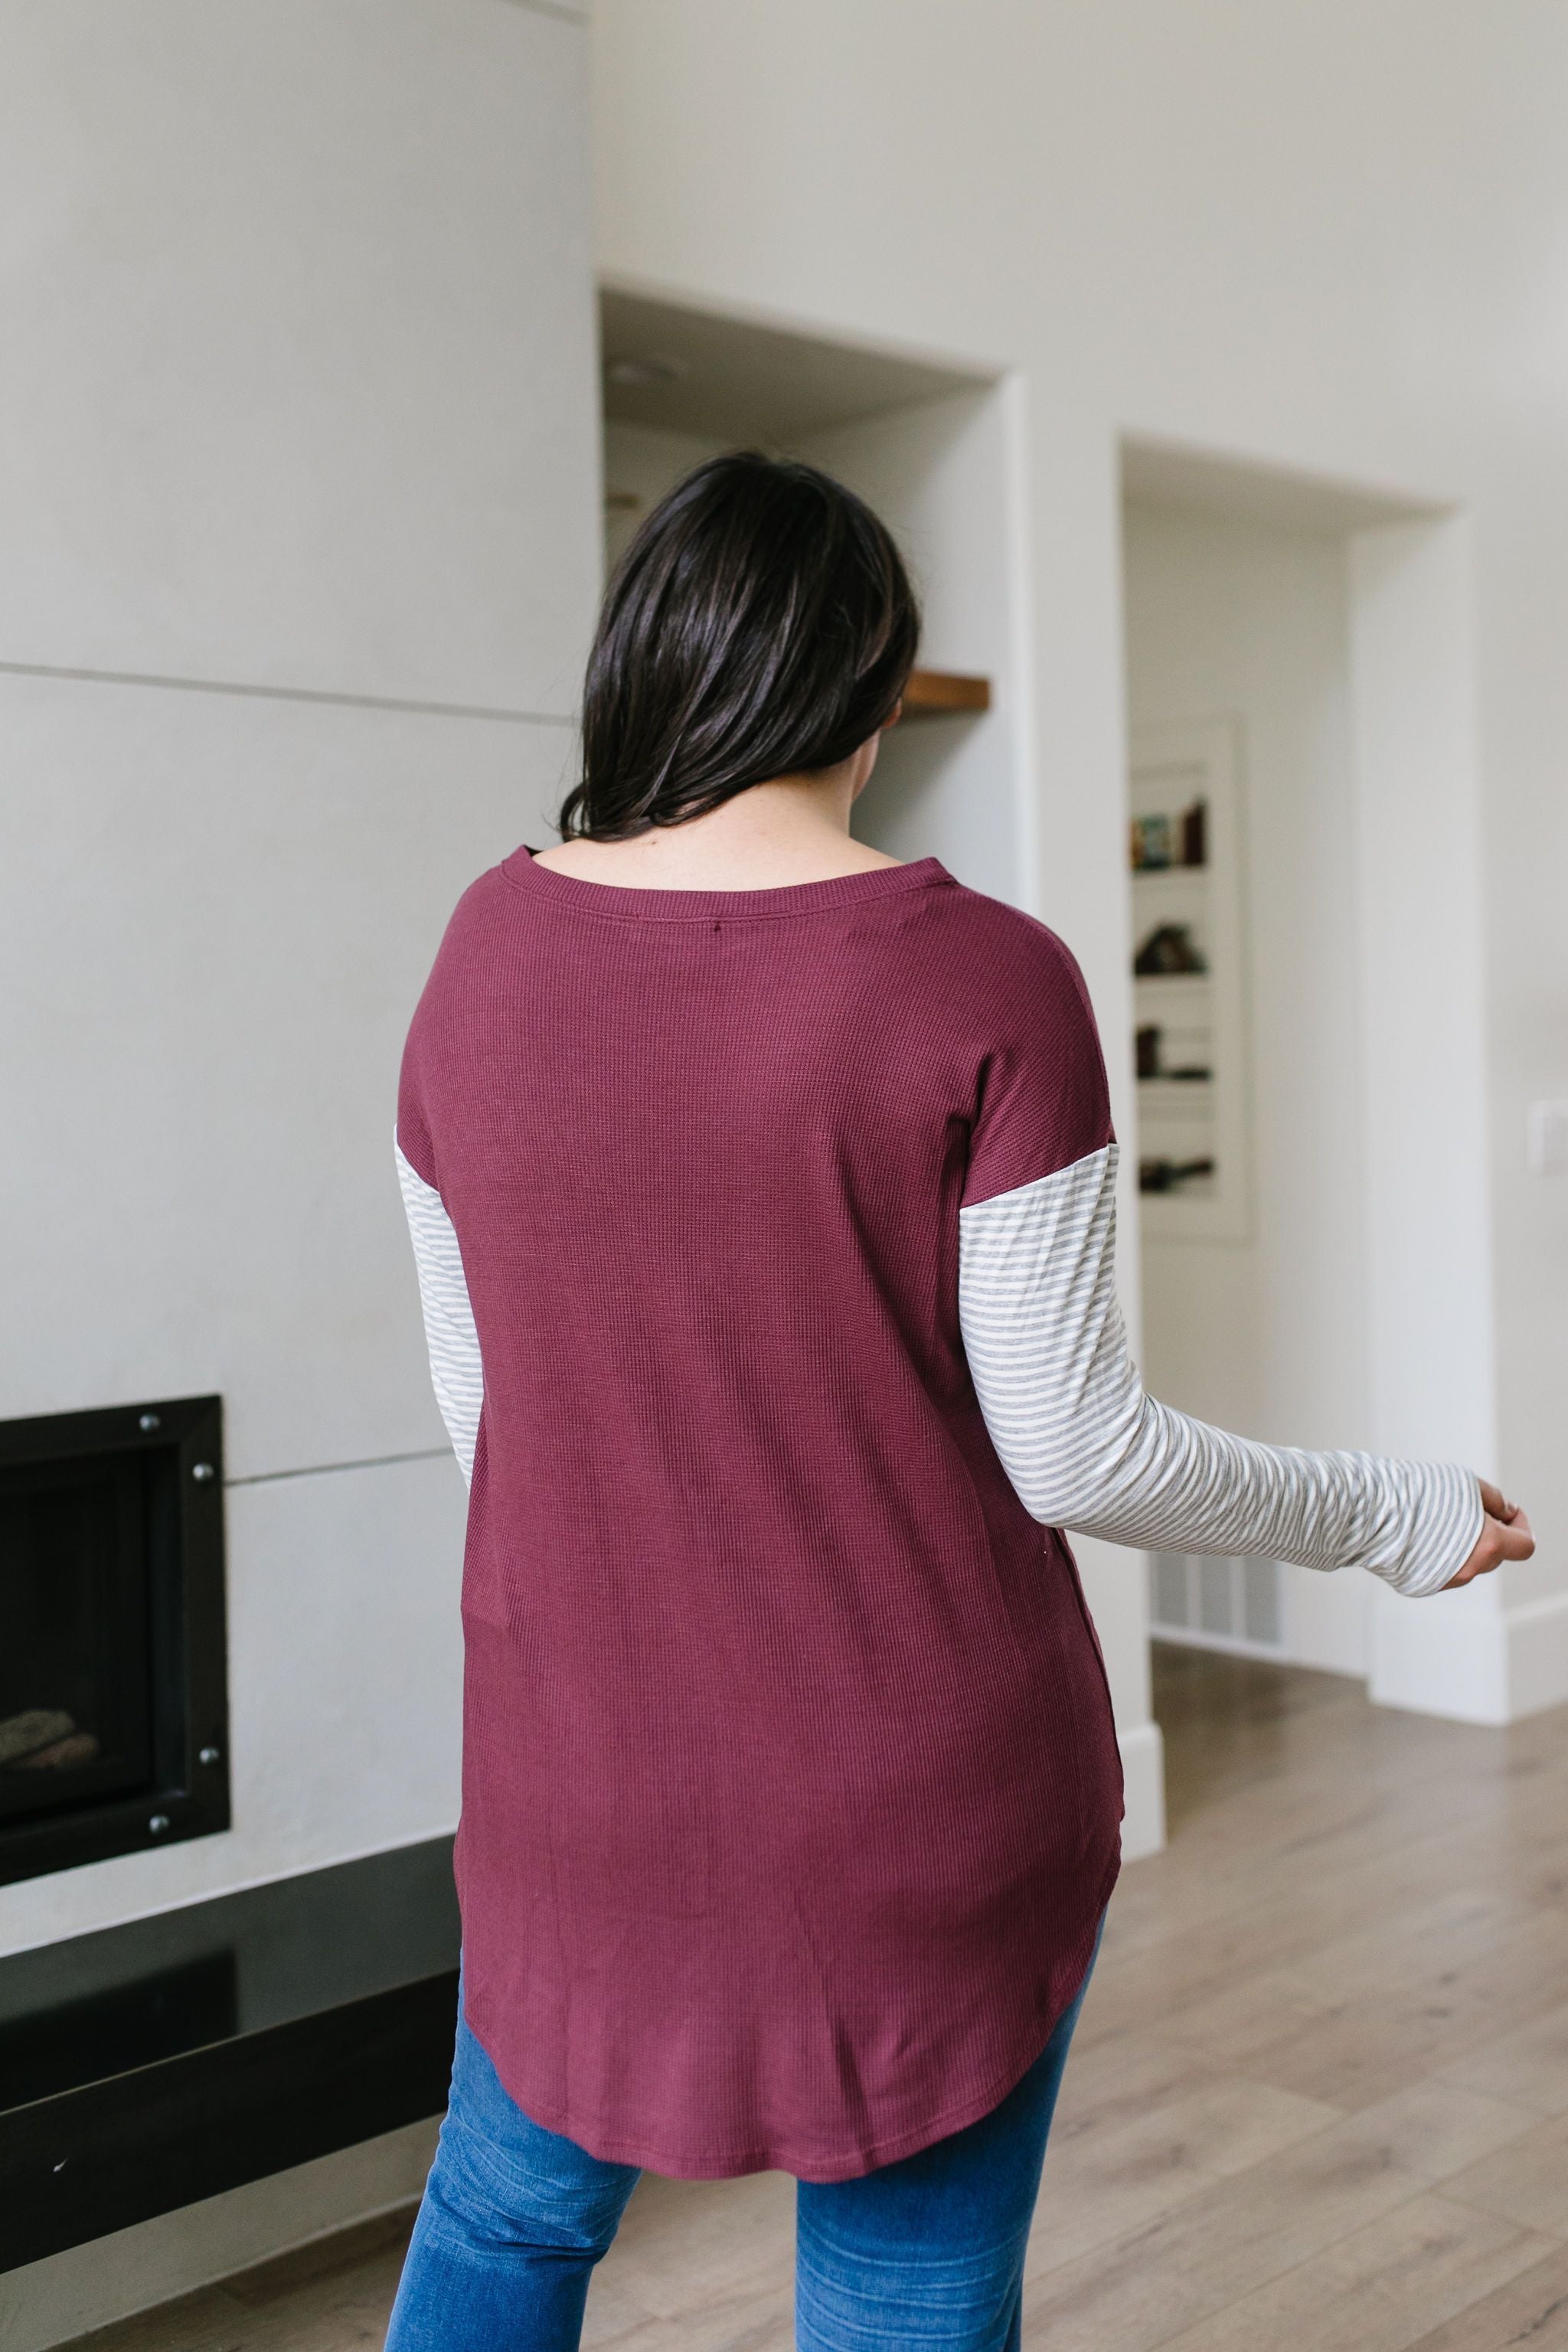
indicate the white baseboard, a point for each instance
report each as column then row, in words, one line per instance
column 1462, row 1655
column 1538, row 1655
column 1143, row 1769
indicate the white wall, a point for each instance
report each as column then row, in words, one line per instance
column 641, row 463
column 299, row 461
column 1269, row 1335
column 942, row 473
column 1500, row 1648
column 1193, row 224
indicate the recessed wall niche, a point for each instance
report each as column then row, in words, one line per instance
column 929, row 446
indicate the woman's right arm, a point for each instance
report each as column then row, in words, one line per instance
column 1083, row 1444
column 1087, row 1448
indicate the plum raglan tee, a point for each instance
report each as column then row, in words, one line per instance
column 766, row 1247
column 790, row 1788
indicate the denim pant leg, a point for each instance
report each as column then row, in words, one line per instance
column 514, row 2219
column 929, row 2251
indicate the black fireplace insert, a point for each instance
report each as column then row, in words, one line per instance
column 113, row 1671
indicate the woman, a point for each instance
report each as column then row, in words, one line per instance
column 762, row 1192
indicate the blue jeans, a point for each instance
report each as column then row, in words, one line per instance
column 929, row 2251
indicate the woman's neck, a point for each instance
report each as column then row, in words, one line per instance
column 792, row 829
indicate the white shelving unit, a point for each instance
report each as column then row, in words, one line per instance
column 1193, row 1119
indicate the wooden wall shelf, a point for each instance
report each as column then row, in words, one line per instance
column 940, row 693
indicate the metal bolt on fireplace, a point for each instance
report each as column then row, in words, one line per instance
column 113, row 1668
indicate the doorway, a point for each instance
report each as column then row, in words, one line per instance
column 1287, row 644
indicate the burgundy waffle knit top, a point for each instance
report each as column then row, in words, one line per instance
column 790, row 1787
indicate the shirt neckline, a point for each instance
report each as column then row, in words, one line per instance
column 629, row 903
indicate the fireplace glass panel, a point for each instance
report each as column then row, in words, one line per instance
column 75, row 1635
column 113, row 1684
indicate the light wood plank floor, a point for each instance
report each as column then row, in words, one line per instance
column 1318, row 2103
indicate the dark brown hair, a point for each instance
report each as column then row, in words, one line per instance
column 761, row 624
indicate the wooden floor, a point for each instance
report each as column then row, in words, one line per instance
column 1318, row 2102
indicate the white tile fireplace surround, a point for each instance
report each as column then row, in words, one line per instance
column 243, row 896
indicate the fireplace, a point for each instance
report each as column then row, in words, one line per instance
column 113, row 1677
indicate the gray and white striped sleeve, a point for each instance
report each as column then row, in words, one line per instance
column 456, row 1372
column 1086, row 1448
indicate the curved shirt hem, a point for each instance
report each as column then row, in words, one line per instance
column 718, row 2165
